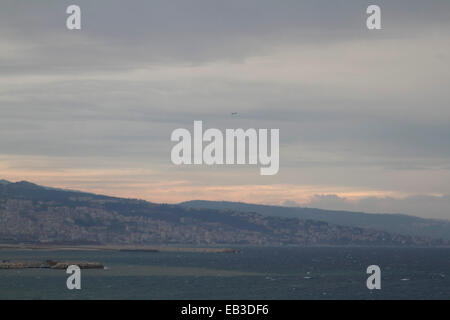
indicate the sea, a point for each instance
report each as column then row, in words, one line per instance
column 273, row 273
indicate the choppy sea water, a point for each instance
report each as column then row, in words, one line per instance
column 253, row 273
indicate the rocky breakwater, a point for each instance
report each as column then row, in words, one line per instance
column 49, row 264
column 83, row 264
column 6, row 264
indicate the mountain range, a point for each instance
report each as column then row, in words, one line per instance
column 395, row 223
column 30, row 213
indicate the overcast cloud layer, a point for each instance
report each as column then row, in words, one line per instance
column 363, row 115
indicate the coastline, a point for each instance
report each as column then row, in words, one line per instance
column 123, row 248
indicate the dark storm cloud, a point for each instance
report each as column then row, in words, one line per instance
column 116, row 36
column 355, row 108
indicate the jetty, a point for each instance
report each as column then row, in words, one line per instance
column 6, row 264
column 49, row 264
column 81, row 265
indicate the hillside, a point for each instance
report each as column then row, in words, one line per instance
column 396, row 223
column 32, row 213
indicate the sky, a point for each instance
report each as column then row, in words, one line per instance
column 363, row 114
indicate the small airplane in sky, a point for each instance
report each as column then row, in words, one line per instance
column 234, row 113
